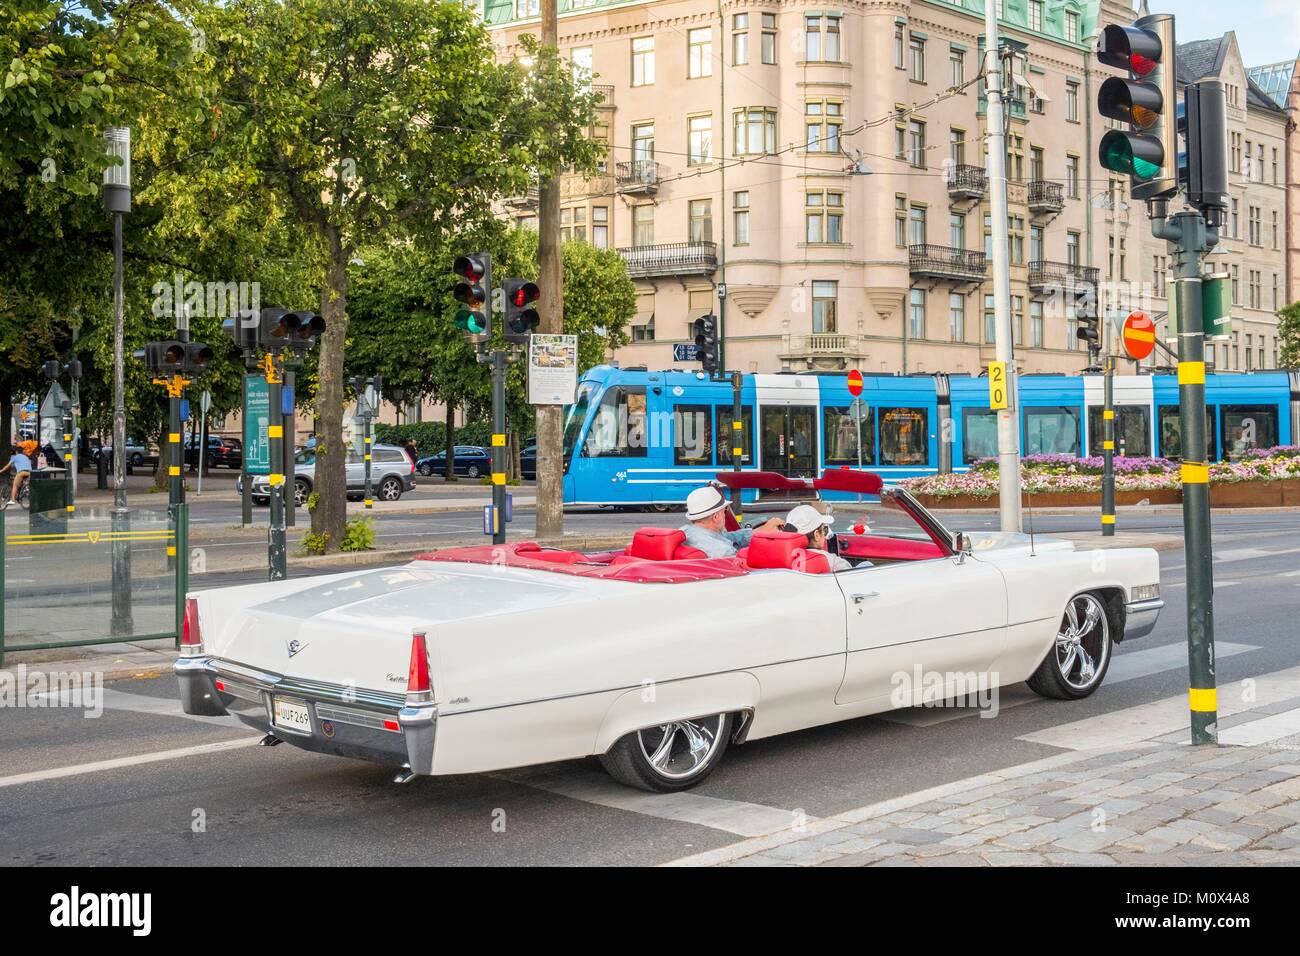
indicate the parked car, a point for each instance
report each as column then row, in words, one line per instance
column 471, row 461
column 528, row 461
column 137, row 452
column 391, row 474
column 477, row 659
column 224, row 452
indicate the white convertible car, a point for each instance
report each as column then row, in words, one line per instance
column 655, row 658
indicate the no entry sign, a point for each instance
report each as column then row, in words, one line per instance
column 1139, row 335
column 855, row 383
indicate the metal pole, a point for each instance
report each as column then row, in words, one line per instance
column 1189, row 236
column 1008, row 418
column 1108, row 369
column 275, row 539
column 180, row 551
column 290, row 422
column 499, row 446
column 175, row 482
column 738, row 442
column 3, row 559
column 202, row 449
column 122, row 623
column 366, row 441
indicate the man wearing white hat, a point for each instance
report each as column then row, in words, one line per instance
column 706, row 512
column 808, row 521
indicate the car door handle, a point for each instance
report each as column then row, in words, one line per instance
column 859, row 598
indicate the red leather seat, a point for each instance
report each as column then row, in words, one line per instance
column 783, row 549
column 536, row 552
column 685, row 552
column 656, row 544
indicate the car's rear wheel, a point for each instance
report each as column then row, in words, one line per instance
column 390, row 489
column 669, row 757
column 1077, row 662
column 301, row 491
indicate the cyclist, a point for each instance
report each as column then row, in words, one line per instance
column 21, row 466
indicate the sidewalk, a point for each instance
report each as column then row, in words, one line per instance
column 1157, row 804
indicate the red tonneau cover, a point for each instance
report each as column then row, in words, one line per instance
column 529, row 554
column 833, row 479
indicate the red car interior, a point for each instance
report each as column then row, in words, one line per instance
column 876, row 546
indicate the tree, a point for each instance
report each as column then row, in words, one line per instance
column 372, row 122
column 1288, row 330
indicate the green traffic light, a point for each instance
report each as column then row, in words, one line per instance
column 1139, row 157
column 471, row 322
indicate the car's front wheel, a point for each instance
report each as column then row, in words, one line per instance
column 426, row 470
column 472, row 471
column 1077, row 662
column 669, row 757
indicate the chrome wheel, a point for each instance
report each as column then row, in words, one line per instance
column 1083, row 642
column 390, row 489
column 681, row 749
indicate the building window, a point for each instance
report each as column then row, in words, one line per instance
column 1072, row 101
column 769, row 39
column 1274, row 291
column 1274, row 165
column 1236, row 287
column 825, row 296
column 699, row 55
column 600, row 227
column 1036, row 244
column 755, row 132
column 527, row 8
column 1072, row 176
column 956, row 317
column 1017, row 319
column 643, row 61
column 643, row 142
column 1072, row 248
column 916, row 59
column 1036, row 15
column 1234, row 221
column 573, row 224
column 914, row 144
column 824, row 216
column 900, row 47
column 701, row 224
column 957, row 146
column 740, row 207
column 990, row 320
column 1255, row 227
column 1274, row 228
column 580, row 60
column 822, row 39
column 643, row 225
column 957, row 66
column 740, row 39
column 916, row 314
column 957, row 230
column 1072, row 26
column 900, row 221
column 1016, row 239
column 644, row 332
column 1036, row 165
column 1035, row 323
column 699, row 140
column 822, row 120
column 916, row 221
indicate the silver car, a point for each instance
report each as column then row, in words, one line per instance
column 391, row 473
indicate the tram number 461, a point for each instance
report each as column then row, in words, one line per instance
column 997, row 385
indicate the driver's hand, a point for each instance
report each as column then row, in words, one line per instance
column 772, row 524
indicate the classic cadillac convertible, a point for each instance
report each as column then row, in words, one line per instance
column 653, row 657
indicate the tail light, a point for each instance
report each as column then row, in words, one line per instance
column 191, row 632
column 417, row 676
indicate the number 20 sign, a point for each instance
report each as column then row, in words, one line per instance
column 997, row 385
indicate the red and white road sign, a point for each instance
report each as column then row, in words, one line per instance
column 1139, row 335
column 855, row 383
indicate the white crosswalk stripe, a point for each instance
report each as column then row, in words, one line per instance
column 1262, row 731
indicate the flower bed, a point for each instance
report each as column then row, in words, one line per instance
column 1271, row 477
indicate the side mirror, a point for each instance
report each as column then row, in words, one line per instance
column 961, row 545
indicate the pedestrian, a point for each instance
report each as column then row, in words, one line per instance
column 408, row 445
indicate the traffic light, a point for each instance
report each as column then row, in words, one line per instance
column 1148, row 151
column 1203, row 163
column 174, row 358
column 51, row 370
column 474, row 313
column 706, row 342
column 243, row 329
column 521, row 315
column 1088, row 327
column 303, row 328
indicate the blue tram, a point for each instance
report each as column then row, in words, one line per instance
column 642, row 438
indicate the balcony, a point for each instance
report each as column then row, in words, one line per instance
column 523, row 203
column 606, row 94
column 671, row 259
column 638, row 176
column 966, row 182
column 1045, row 276
column 946, row 263
column 1046, row 198
column 821, row 351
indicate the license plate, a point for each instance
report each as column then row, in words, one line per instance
column 292, row 715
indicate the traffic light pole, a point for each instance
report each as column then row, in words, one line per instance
column 276, row 555
column 498, row 359
column 1108, row 443
column 738, row 440
column 367, row 442
column 1189, row 236
column 289, row 450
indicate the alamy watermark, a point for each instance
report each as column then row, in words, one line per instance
column 222, row 300
column 20, row 688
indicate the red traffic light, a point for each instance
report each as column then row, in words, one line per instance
column 472, row 268
column 524, row 293
column 1129, row 48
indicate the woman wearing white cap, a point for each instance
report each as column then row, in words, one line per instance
column 808, row 521
column 706, row 512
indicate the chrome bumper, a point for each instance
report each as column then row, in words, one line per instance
column 1140, row 617
column 345, row 721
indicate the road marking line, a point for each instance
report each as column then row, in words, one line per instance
column 1250, row 554
column 1290, row 574
column 98, row 766
column 1147, row 721
column 731, row 816
column 138, row 703
column 1262, row 731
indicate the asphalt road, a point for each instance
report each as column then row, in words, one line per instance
column 284, row 806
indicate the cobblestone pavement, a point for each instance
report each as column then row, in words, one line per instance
column 1152, row 804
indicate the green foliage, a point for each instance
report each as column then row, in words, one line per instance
column 359, row 536
column 1288, row 330
column 313, row 499
column 315, row 542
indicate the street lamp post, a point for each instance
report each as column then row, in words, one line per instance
column 117, row 201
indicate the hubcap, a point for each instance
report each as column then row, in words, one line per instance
column 680, row 749
column 389, row 491
column 1083, row 642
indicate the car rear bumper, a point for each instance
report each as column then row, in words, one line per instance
column 1140, row 617
column 344, row 721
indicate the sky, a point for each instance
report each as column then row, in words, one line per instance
column 1267, row 30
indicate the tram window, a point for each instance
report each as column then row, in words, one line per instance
column 904, row 436
column 692, row 435
column 1171, row 434
column 1246, row 427
column 576, row 417
column 619, row 428
column 979, row 434
column 1132, row 430
column 840, row 426
column 1052, row 430
column 725, row 434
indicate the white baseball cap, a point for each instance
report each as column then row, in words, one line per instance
column 703, row 502
column 805, row 518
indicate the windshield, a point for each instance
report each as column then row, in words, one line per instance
column 882, row 516
column 305, row 456
column 576, row 415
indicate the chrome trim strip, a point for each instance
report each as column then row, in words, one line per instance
column 279, row 684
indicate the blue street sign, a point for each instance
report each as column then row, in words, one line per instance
column 684, row 353
column 286, row 399
column 489, row 526
column 185, row 409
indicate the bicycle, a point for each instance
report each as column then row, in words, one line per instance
column 7, row 486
